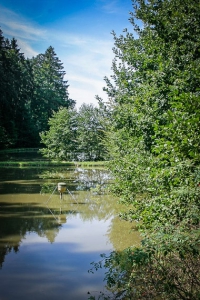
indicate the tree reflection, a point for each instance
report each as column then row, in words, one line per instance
column 87, row 195
column 18, row 219
column 78, row 179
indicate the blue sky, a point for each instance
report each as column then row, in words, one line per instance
column 79, row 31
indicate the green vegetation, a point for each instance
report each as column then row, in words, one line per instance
column 148, row 131
column 153, row 140
column 30, row 91
column 35, row 163
column 35, row 108
column 75, row 135
column 45, row 163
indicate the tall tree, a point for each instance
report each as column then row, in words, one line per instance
column 75, row 135
column 50, row 88
column 60, row 139
column 3, row 136
column 90, row 133
column 15, row 87
column 153, row 139
column 30, row 91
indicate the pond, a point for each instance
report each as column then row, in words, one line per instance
column 47, row 244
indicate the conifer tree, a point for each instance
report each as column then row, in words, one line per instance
column 50, row 88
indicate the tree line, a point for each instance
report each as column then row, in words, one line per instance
column 75, row 135
column 149, row 131
column 36, row 110
column 30, row 91
column 153, row 140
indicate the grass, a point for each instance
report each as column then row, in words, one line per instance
column 45, row 163
column 91, row 163
column 40, row 162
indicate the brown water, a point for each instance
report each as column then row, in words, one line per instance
column 48, row 243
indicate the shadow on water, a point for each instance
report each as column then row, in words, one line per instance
column 46, row 247
column 17, row 219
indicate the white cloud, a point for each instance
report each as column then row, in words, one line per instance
column 86, row 59
column 111, row 6
column 15, row 25
column 86, row 64
column 115, row 7
column 23, row 30
column 26, row 48
column 83, row 95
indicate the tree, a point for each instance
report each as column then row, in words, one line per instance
column 90, row 133
column 153, row 139
column 30, row 91
column 15, row 94
column 50, row 88
column 75, row 135
column 60, row 139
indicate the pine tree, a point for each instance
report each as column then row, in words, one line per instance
column 50, row 88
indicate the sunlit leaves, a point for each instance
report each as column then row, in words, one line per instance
column 90, row 132
column 60, row 139
column 154, row 138
column 75, row 135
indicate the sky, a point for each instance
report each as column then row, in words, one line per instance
column 78, row 30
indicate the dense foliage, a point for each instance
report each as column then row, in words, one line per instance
column 35, row 108
column 151, row 128
column 75, row 135
column 154, row 144
column 30, row 91
column 91, row 132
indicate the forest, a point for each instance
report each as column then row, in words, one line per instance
column 30, row 90
column 35, row 103
column 148, row 130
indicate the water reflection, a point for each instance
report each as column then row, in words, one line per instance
column 78, row 179
column 49, row 245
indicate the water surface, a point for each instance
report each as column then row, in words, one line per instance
column 48, row 243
